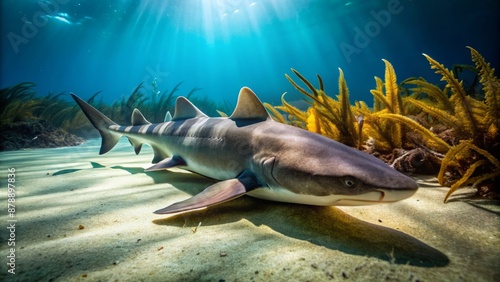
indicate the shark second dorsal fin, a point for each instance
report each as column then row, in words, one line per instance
column 168, row 117
column 138, row 118
column 249, row 106
column 185, row 109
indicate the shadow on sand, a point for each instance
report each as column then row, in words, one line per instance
column 322, row 226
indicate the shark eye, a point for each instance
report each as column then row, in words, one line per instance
column 349, row 182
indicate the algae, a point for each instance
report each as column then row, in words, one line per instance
column 410, row 127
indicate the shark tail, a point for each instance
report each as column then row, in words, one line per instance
column 101, row 123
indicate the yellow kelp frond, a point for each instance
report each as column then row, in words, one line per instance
column 450, row 159
column 392, row 102
column 486, row 154
column 347, row 120
column 379, row 100
column 472, row 168
column 361, row 106
column 313, row 93
column 327, row 116
column 378, row 130
column 456, row 160
column 291, row 110
column 431, row 139
column 433, row 92
column 392, row 89
column 275, row 114
column 343, row 97
column 379, row 87
column 479, row 110
column 443, row 116
column 316, row 123
column 313, row 124
column 221, row 113
column 458, row 95
column 491, row 87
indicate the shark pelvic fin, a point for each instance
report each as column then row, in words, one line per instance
column 158, row 154
column 185, row 109
column 101, row 123
column 167, row 163
column 138, row 118
column 217, row 193
column 137, row 145
column 249, row 106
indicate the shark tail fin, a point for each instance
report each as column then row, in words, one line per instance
column 101, row 123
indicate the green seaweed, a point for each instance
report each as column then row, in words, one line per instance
column 18, row 103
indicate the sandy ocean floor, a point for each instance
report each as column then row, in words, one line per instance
column 85, row 217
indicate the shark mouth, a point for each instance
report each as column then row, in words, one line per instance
column 378, row 196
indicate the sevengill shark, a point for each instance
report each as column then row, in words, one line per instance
column 250, row 154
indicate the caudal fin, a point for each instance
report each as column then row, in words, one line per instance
column 101, row 123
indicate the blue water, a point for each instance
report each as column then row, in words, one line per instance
column 221, row 45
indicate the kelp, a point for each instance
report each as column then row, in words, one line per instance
column 472, row 121
column 20, row 103
column 17, row 103
column 451, row 124
column 386, row 133
column 465, row 159
column 327, row 116
column 389, row 118
column 491, row 88
column 459, row 98
column 135, row 100
column 431, row 139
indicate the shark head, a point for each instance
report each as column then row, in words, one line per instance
column 319, row 171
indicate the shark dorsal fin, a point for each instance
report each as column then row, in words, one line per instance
column 249, row 106
column 168, row 117
column 138, row 118
column 185, row 109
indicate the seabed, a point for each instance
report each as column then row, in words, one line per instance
column 85, row 217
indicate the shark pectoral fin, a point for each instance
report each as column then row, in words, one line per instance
column 217, row 193
column 167, row 163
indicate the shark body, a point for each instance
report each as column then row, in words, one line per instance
column 252, row 154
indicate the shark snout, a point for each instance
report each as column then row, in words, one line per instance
column 389, row 188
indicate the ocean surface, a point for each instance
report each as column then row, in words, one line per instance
column 221, row 45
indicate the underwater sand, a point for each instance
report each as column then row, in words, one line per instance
column 85, row 217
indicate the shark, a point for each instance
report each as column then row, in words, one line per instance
column 249, row 153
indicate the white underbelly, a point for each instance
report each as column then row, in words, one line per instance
column 284, row 195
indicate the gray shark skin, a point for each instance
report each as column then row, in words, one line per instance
column 252, row 154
